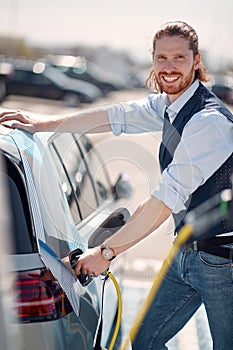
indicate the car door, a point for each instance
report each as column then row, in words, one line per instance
column 93, row 206
column 41, row 86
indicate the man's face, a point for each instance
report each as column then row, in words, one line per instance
column 174, row 65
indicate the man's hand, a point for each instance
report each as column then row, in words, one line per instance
column 18, row 120
column 91, row 262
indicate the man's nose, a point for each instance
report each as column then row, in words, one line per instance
column 169, row 66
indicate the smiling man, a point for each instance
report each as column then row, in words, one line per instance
column 196, row 163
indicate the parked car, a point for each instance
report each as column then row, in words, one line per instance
column 6, row 70
column 223, row 88
column 59, row 187
column 39, row 79
column 82, row 69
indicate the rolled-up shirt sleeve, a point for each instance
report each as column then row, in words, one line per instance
column 206, row 143
column 135, row 117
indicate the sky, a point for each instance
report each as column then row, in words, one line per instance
column 127, row 25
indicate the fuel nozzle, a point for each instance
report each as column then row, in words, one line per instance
column 84, row 279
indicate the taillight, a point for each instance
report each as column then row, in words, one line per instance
column 38, row 297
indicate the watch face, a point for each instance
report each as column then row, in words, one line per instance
column 107, row 254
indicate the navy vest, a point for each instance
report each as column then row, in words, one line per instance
column 220, row 180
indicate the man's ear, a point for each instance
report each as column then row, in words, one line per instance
column 197, row 60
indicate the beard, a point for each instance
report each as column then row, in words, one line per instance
column 174, row 88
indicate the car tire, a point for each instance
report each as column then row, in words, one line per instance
column 71, row 99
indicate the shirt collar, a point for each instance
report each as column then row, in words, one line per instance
column 174, row 107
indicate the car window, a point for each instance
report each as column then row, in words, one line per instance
column 21, row 226
column 74, row 174
column 19, row 75
column 97, row 169
column 37, row 79
column 29, row 77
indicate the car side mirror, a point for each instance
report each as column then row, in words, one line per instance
column 122, row 188
column 108, row 227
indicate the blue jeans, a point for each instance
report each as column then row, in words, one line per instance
column 193, row 278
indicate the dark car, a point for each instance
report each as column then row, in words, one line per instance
column 39, row 79
column 82, row 69
column 58, row 190
column 223, row 88
column 6, row 69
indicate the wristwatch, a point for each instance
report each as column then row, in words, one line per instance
column 106, row 252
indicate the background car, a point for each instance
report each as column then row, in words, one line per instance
column 6, row 69
column 223, row 88
column 39, row 79
column 59, row 188
column 82, row 69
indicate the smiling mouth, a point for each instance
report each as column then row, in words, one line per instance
column 170, row 79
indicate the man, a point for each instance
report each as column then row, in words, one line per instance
column 196, row 162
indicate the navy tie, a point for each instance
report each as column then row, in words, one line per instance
column 166, row 129
column 166, row 119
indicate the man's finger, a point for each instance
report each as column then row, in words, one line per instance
column 13, row 115
column 6, row 113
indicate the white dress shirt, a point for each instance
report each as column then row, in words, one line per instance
column 206, row 142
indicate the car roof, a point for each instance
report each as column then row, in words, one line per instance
column 22, row 138
column 17, row 143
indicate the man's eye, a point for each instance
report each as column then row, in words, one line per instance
column 161, row 58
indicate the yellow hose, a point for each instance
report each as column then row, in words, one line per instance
column 182, row 237
column 119, row 311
